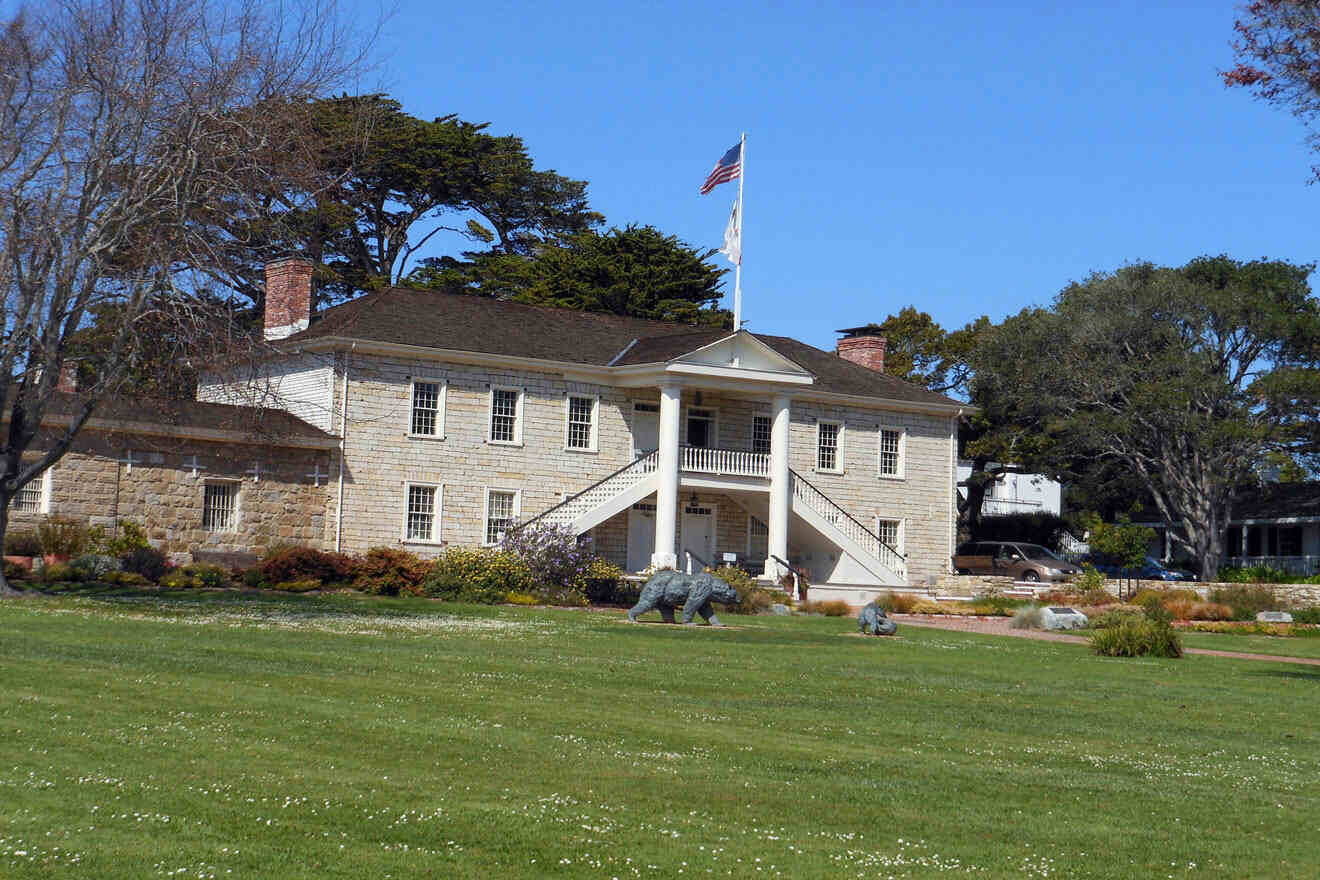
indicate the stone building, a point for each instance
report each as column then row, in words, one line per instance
column 198, row 476
column 455, row 416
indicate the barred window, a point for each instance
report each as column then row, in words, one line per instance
column 889, row 531
column 891, row 452
column 220, row 507
column 827, row 446
column 28, row 499
column 426, row 408
column 422, row 509
column 500, row 512
column 761, row 434
column 758, row 538
column 581, row 423
column 504, row 415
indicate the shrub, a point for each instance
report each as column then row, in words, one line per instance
column 1150, row 635
column 1027, row 618
column 194, row 576
column 926, row 606
column 829, row 608
column 1246, row 600
column 57, row 573
column 15, row 572
column 1254, row 574
column 62, row 537
column 1310, row 614
column 93, row 566
column 294, row 563
column 557, row 559
column 516, row 598
column 299, row 586
column 389, row 571
column 484, row 576
column 146, row 561
column 896, row 603
column 1186, row 609
column 1114, row 616
column 129, row 536
column 602, row 580
column 995, row 606
column 22, row 543
column 752, row 597
column 126, row 579
column 253, row 577
column 1244, row 628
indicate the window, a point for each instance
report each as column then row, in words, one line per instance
column 32, row 497
column 501, row 511
column 581, row 423
column 758, row 539
column 505, row 412
column 1289, row 541
column 220, row 507
column 890, row 533
column 422, row 517
column 891, row 452
column 701, row 427
column 828, row 437
column 428, row 409
column 761, row 434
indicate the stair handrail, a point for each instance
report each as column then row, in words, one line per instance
column 852, row 518
column 793, row 570
column 654, row 453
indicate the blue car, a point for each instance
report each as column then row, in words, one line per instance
column 1153, row 570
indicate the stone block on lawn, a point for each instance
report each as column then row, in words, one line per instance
column 1062, row 617
column 1274, row 617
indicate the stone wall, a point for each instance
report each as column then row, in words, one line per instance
column 279, row 502
column 975, row 585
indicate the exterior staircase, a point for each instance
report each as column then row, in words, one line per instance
column 817, row 510
column 603, row 499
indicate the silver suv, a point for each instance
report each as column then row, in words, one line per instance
column 1016, row 559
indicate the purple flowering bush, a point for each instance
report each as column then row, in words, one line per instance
column 559, row 561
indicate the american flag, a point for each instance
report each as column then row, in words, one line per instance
column 728, row 168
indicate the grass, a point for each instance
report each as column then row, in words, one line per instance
column 238, row 735
column 1295, row 646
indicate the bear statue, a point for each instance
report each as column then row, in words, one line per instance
column 666, row 590
column 874, row 622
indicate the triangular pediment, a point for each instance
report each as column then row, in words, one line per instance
column 744, row 352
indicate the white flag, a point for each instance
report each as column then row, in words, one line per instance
column 733, row 238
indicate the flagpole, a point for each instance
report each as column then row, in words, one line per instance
column 737, row 267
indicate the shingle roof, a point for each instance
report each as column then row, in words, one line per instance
column 1279, row 500
column 462, row 322
column 263, row 425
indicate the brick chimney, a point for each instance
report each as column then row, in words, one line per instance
column 288, row 296
column 864, row 346
column 68, row 381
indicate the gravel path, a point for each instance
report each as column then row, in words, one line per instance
column 998, row 626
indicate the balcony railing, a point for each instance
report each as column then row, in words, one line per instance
column 725, row 462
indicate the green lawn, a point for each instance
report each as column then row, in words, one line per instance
column 234, row 736
column 1297, row 646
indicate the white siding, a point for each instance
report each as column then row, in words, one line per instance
column 302, row 385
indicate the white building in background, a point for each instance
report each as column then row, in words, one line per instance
column 1016, row 493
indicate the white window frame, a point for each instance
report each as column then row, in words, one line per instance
column 43, row 481
column 236, row 486
column 714, row 424
column 485, row 511
column 838, row 447
column 517, row 415
column 770, row 432
column 880, row 452
column 437, row 509
column 442, row 397
column 900, row 530
column 594, row 444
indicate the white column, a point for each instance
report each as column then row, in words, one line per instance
column 781, row 491
column 665, row 554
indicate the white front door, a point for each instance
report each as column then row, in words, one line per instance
column 645, row 431
column 698, row 535
column 641, row 535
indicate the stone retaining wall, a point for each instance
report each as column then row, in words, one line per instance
column 972, row 585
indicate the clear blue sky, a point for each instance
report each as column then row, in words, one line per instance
column 962, row 157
